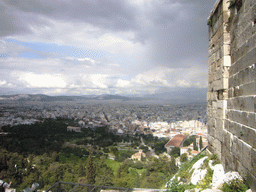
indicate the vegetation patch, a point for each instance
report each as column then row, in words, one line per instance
column 236, row 185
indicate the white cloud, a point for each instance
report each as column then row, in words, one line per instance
column 123, row 83
column 42, row 80
column 3, row 82
column 99, row 80
column 183, row 83
column 151, row 81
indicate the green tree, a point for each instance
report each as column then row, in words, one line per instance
column 104, row 175
column 183, row 157
column 81, row 169
column 195, row 147
column 90, row 170
column 122, row 176
column 174, row 167
column 175, row 151
column 201, row 143
column 114, row 150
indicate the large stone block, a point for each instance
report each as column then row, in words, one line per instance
column 219, row 73
column 231, row 127
column 211, row 59
column 238, row 130
column 253, row 13
column 219, row 123
column 219, row 63
column 231, row 92
column 244, row 119
column 231, row 82
column 209, row 96
column 252, row 41
column 237, row 147
column 211, row 131
column 226, row 156
column 225, row 5
column 252, row 181
column 252, row 119
column 236, row 115
column 255, row 105
column 221, row 104
column 220, row 113
column 244, row 76
column 249, row 88
column 244, row 22
column 253, row 160
column 248, row 135
column 236, row 81
column 226, row 124
column 230, row 103
column 237, row 91
column 242, row 170
column 248, row 104
column 217, row 144
column 246, row 61
column 252, row 73
column 219, row 134
column 246, row 160
column 227, row 139
column 227, row 114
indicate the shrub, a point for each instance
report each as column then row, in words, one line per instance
column 183, row 157
column 206, row 181
column 236, row 185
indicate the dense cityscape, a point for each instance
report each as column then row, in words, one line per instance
column 120, row 117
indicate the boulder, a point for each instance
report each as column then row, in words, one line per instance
column 218, row 175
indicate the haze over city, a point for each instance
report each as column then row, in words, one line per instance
column 134, row 47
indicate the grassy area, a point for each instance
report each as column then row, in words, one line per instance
column 185, row 169
column 140, row 171
column 113, row 165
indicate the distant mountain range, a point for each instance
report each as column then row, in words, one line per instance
column 42, row 97
column 176, row 96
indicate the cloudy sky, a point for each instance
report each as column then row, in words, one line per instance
column 80, row 47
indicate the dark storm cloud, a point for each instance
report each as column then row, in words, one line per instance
column 110, row 14
column 8, row 23
column 180, row 33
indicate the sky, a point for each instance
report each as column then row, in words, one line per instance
column 84, row 47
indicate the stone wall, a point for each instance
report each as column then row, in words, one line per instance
column 232, row 85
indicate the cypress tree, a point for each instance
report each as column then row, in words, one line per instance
column 201, row 143
column 195, row 147
column 90, row 170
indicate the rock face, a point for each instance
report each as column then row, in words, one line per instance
column 218, row 175
column 198, row 173
column 199, row 170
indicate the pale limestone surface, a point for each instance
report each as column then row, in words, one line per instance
column 218, row 175
column 198, row 173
